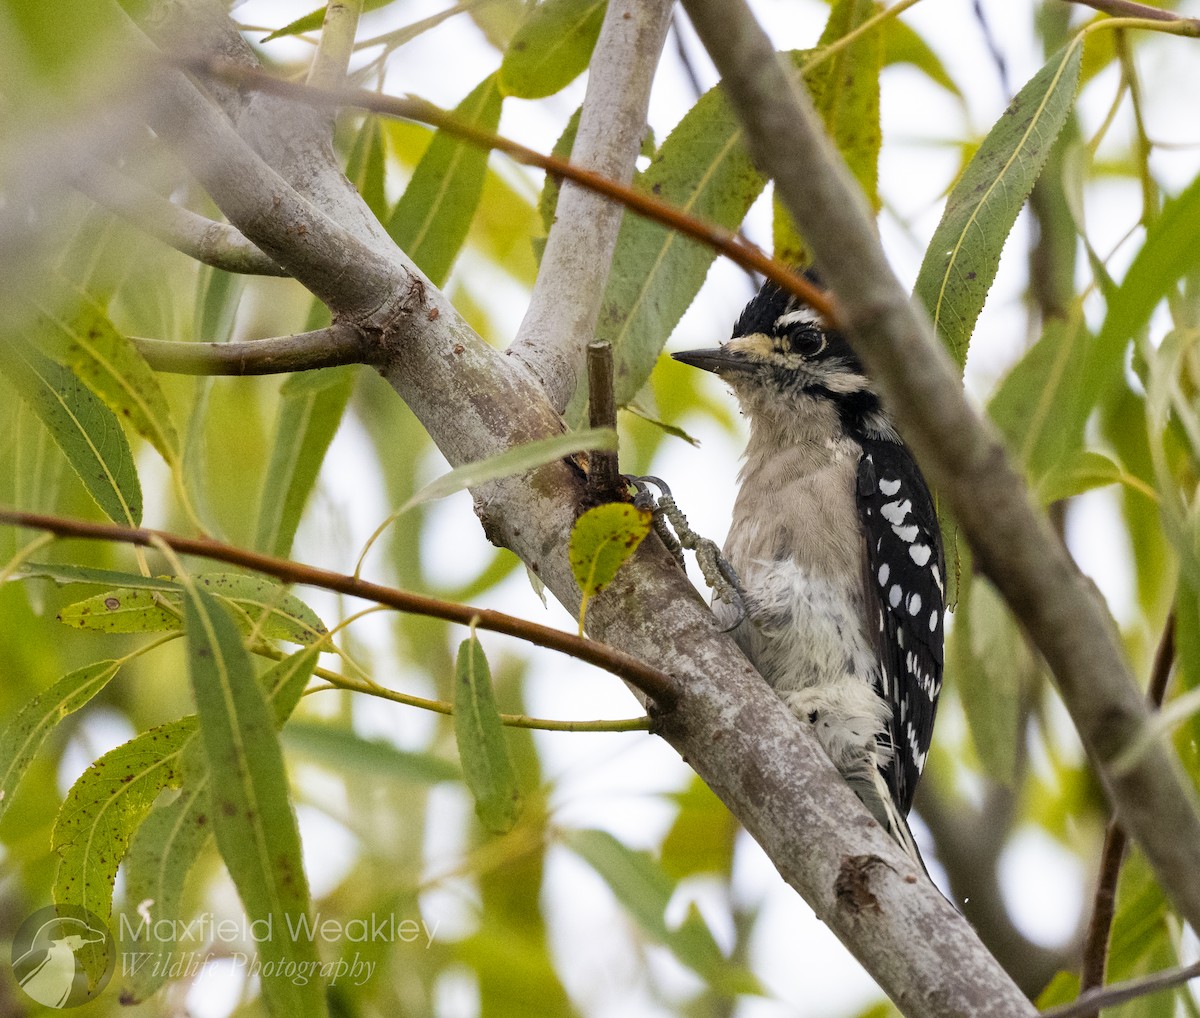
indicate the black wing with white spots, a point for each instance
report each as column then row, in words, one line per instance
column 905, row 585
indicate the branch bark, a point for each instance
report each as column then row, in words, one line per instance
column 324, row 348
column 565, row 304
column 215, row 244
column 962, row 456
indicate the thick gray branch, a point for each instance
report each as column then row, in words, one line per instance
column 216, row 244
column 335, row 264
column 963, row 456
column 565, row 305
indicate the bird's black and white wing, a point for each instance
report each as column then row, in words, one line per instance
column 905, row 588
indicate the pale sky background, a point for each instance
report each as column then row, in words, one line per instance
column 612, row 781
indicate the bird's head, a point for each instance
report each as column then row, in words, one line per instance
column 782, row 353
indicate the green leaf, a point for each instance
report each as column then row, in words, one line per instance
column 642, row 887
column 169, row 842
column 313, row 20
column 487, row 765
column 84, row 429
column 157, row 862
column 902, row 45
column 1085, row 471
column 551, row 48
column 218, row 296
column 1170, row 252
column 252, row 814
column 991, row 667
column 503, row 229
column 519, row 459
column 310, row 410
column 345, row 750
column 1187, row 643
column 259, row 605
column 547, row 205
column 845, row 91
column 602, row 539
column 961, row 260
column 25, row 733
column 366, row 166
column 85, row 340
column 702, row 837
column 1140, row 941
column 703, row 168
column 123, row 610
column 1062, row 989
column 1040, row 405
column 64, row 574
column 105, row 806
column 433, row 216
column 671, row 429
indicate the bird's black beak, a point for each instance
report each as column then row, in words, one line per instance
column 718, row 359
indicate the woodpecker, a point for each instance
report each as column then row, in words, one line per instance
column 835, row 540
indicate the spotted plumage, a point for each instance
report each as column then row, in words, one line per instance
column 836, row 542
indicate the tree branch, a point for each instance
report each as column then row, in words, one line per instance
column 337, row 43
column 727, row 243
column 962, row 456
column 1129, row 9
column 1104, row 902
column 969, row 842
column 324, row 348
column 652, row 682
column 1119, row 993
column 566, row 298
column 215, row 244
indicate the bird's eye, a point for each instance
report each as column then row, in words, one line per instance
column 809, row 341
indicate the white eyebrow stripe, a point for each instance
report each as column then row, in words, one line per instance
column 805, row 316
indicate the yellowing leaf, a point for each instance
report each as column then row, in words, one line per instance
column 601, row 540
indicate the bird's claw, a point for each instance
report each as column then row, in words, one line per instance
column 717, row 571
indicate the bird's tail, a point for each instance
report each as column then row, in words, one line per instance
column 878, row 799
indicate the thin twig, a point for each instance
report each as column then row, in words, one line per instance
column 336, row 680
column 324, row 348
column 717, row 237
column 1104, row 907
column 602, row 411
column 1129, row 9
column 1120, row 993
column 1104, row 902
column 657, row 685
column 217, row 244
column 993, row 46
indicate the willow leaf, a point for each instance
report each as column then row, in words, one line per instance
column 964, row 254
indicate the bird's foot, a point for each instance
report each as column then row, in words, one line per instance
column 717, row 571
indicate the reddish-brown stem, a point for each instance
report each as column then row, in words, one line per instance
column 1104, row 903
column 657, row 685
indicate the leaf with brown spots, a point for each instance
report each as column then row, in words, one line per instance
column 601, row 541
